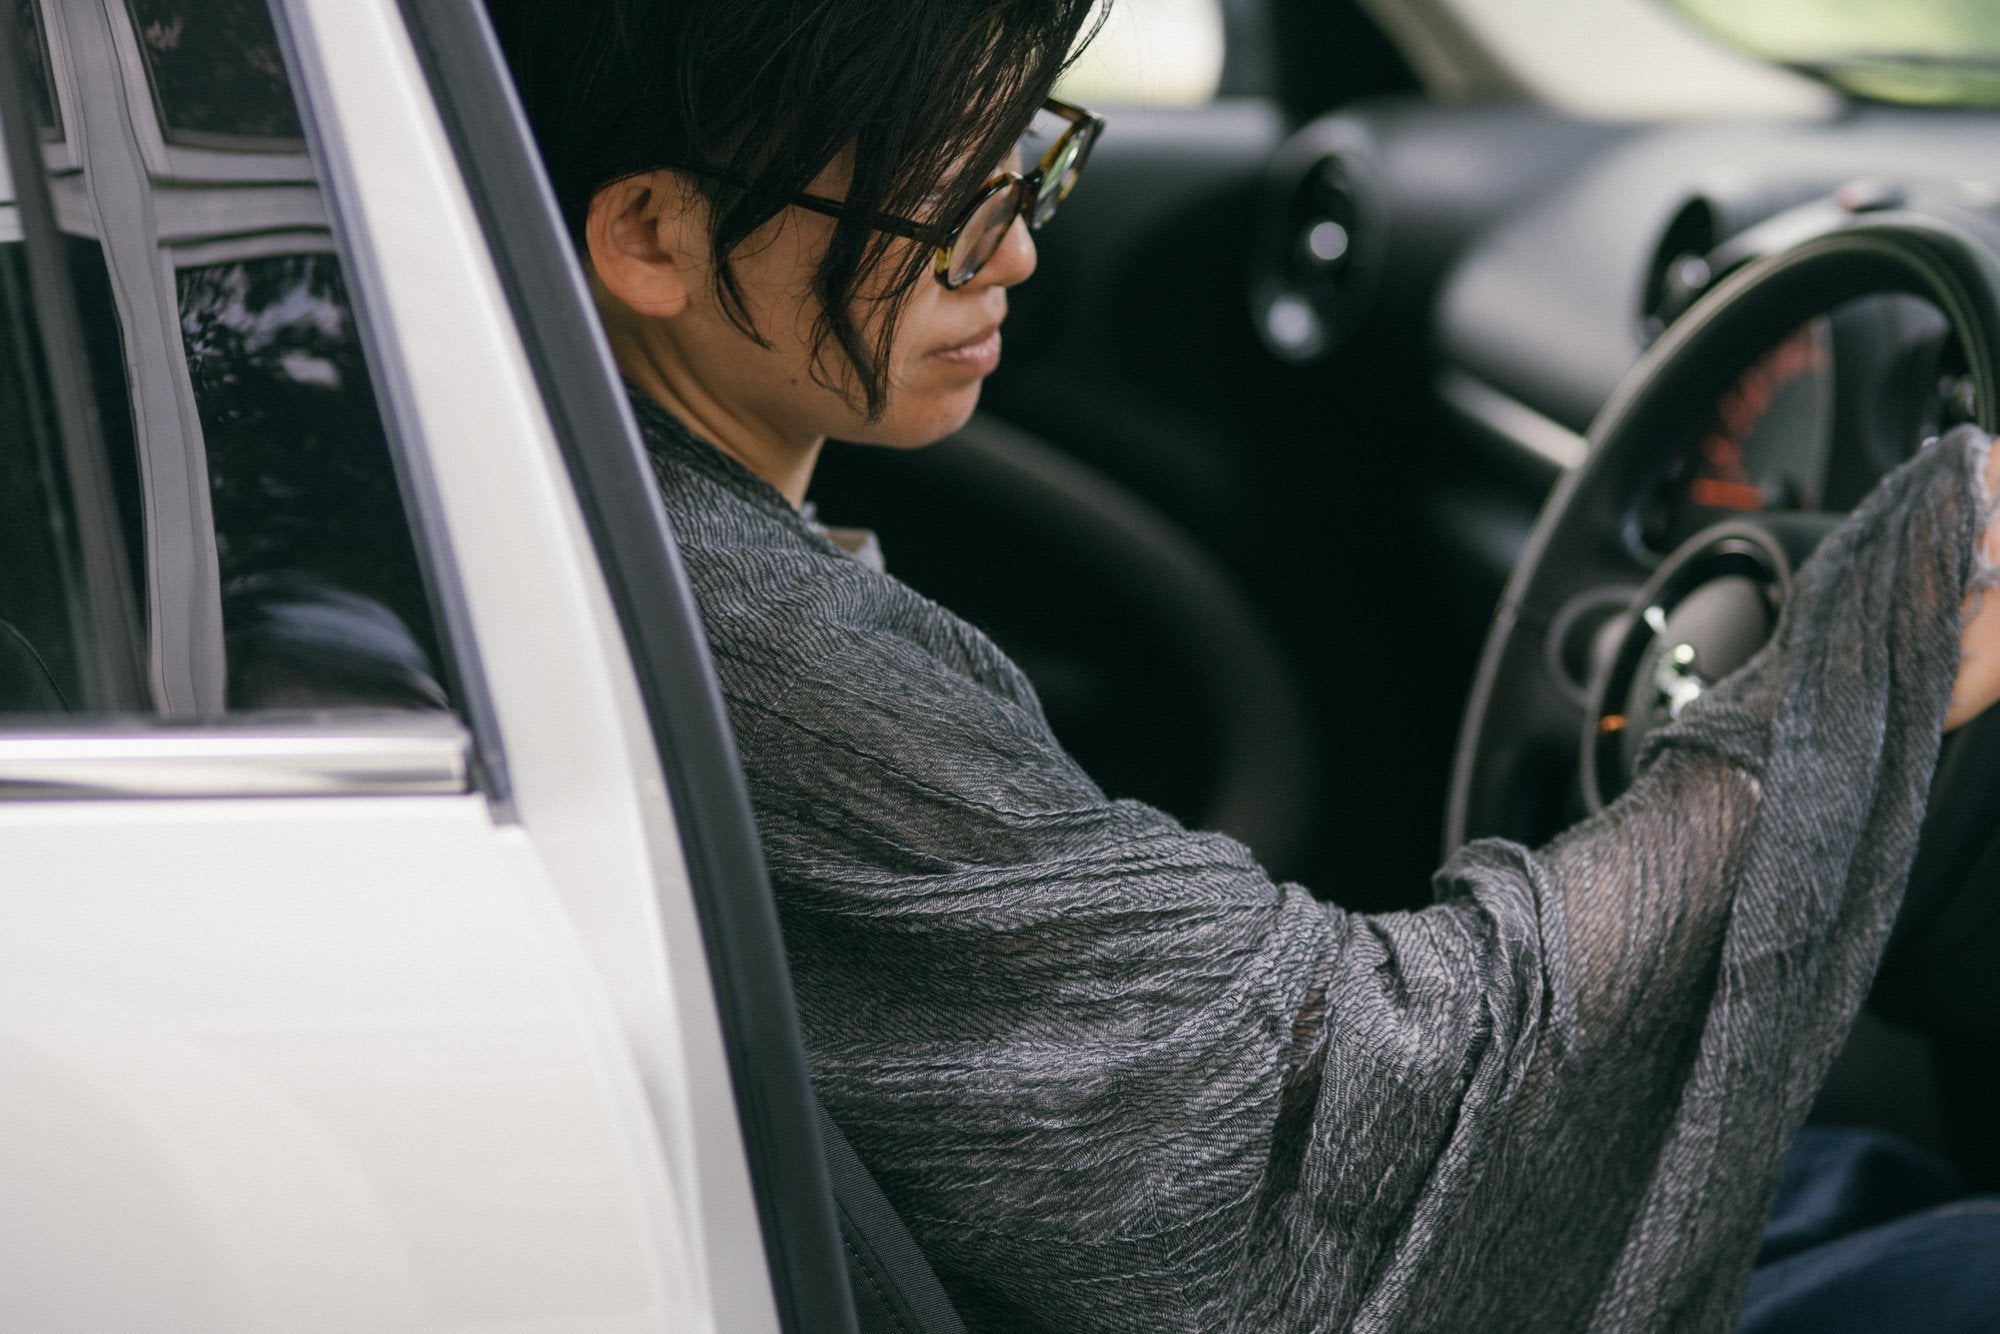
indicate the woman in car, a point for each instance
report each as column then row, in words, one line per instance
column 1110, row 1074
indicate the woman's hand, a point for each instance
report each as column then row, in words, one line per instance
column 1978, row 683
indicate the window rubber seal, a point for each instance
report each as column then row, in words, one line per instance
column 649, row 589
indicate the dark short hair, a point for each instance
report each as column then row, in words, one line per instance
column 754, row 98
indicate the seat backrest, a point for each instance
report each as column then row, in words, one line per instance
column 1153, row 667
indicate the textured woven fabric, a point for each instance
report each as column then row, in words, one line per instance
column 1114, row 1078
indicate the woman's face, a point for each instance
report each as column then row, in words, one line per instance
column 746, row 397
column 947, row 341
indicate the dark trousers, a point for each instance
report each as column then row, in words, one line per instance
column 1871, row 1234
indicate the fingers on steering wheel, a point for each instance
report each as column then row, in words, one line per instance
column 1978, row 683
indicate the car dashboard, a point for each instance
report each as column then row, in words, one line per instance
column 1405, row 316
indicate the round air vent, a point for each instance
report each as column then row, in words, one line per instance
column 1680, row 270
column 1310, row 275
column 1725, row 226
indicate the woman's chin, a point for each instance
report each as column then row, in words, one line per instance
column 910, row 425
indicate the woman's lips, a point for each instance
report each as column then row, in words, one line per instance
column 979, row 355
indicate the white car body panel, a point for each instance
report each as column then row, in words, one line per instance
column 278, row 1059
column 311, row 1064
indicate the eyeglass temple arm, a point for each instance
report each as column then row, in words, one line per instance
column 886, row 222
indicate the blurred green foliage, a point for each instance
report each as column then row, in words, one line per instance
column 1939, row 52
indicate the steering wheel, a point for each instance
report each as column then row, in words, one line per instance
column 1596, row 641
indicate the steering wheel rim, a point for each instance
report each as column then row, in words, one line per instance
column 1521, row 714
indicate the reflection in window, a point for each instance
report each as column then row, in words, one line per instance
column 39, row 669
column 322, row 602
column 104, row 351
column 217, row 78
column 41, row 82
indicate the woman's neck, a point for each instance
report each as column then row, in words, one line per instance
column 785, row 463
column 650, row 357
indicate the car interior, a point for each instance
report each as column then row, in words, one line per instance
column 1393, row 434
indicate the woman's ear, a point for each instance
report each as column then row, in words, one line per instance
column 640, row 233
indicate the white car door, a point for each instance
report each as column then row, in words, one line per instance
column 349, row 972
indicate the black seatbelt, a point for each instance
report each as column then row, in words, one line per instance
column 895, row 1291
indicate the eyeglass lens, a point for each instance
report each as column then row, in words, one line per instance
column 987, row 227
column 1061, row 178
column 984, row 231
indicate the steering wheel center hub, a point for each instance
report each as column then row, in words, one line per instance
column 1708, row 609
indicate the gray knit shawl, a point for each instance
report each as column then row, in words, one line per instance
column 1115, row 1078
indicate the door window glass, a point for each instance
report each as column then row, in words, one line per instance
column 103, row 349
column 217, row 78
column 40, row 85
column 43, row 629
column 184, row 397
column 320, row 593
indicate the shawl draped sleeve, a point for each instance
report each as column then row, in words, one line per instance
column 1115, row 1078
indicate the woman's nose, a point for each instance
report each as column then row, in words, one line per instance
column 1014, row 261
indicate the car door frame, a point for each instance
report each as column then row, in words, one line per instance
column 628, row 528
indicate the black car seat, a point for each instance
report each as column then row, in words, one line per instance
column 1152, row 664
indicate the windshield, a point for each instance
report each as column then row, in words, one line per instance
column 1940, row 52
